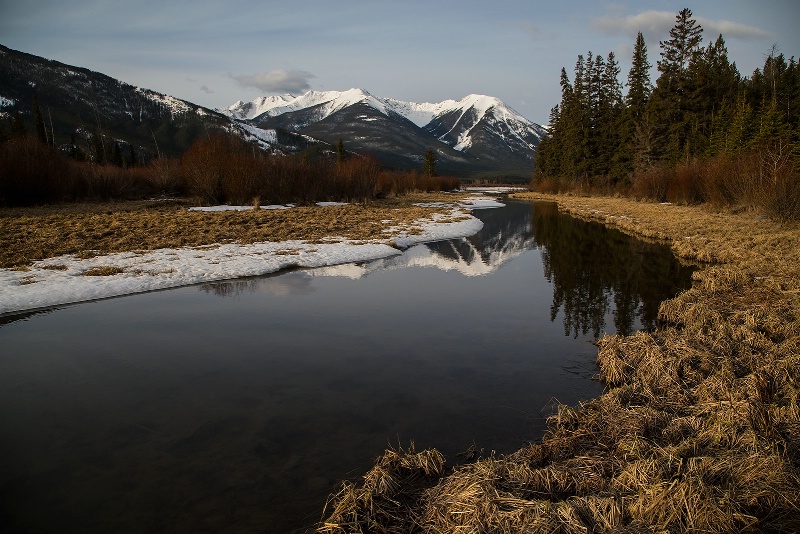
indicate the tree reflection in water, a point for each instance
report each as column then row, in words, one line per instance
column 592, row 266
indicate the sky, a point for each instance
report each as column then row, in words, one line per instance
column 215, row 53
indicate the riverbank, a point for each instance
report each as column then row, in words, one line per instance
column 70, row 253
column 699, row 427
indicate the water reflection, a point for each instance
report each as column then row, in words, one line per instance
column 594, row 270
column 178, row 411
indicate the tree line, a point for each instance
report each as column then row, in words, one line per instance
column 701, row 133
column 217, row 168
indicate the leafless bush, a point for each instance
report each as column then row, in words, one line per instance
column 686, row 184
column 164, row 176
column 652, row 184
column 32, row 172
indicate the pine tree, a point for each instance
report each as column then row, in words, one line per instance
column 429, row 163
column 17, row 124
column 713, row 89
column 340, row 153
column 38, row 120
column 639, row 86
column 633, row 114
column 678, row 52
column 131, row 155
column 674, row 84
column 609, row 118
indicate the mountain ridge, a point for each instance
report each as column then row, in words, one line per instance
column 476, row 135
column 479, row 131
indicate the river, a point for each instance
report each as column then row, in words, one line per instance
column 240, row 406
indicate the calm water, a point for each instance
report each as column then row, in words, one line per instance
column 239, row 406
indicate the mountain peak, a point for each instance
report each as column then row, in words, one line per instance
column 476, row 127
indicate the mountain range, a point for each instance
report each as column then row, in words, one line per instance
column 476, row 135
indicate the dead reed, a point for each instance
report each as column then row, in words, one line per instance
column 699, row 427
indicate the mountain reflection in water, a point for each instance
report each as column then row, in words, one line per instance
column 594, row 270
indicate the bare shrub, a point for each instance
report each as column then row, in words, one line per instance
column 780, row 181
column 32, row 172
column 686, row 185
column 548, row 185
column 164, row 176
column 357, row 178
column 781, row 201
column 651, row 184
column 208, row 163
column 744, row 183
column 718, row 172
column 107, row 182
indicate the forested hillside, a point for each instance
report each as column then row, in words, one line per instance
column 701, row 133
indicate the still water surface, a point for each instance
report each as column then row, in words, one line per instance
column 239, row 406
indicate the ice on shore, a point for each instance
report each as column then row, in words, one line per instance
column 64, row 280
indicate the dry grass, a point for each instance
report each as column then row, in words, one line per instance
column 103, row 270
column 87, row 230
column 699, row 428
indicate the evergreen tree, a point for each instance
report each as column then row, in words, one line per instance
column 713, row 90
column 17, row 124
column 639, row 86
column 680, row 49
column 429, row 163
column 116, row 154
column 674, row 84
column 340, row 153
column 609, row 115
column 131, row 156
column 38, row 120
column 633, row 112
column 99, row 146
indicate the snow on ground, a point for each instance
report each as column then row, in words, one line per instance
column 471, row 203
column 68, row 279
column 496, row 190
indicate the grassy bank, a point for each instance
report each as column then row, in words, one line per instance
column 698, row 430
column 29, row 234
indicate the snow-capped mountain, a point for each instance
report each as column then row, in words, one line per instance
column 472, row 136
column 477, row 131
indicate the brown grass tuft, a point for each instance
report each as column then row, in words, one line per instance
column 103, row 270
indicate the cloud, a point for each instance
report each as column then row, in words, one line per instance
column 532, row 31
column 647, row 22
column 655, row 24
column 277, row 81
column 206, row 90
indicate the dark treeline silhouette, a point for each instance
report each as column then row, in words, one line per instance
column 702, row 133
column 217, row 168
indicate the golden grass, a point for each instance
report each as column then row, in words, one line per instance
column 88, row 230
column 698, row 430
column 103, row 270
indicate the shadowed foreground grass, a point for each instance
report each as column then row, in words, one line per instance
column 699, row 428
column 30, row 234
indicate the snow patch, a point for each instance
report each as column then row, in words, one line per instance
column 174, row 105
column 63, row 280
